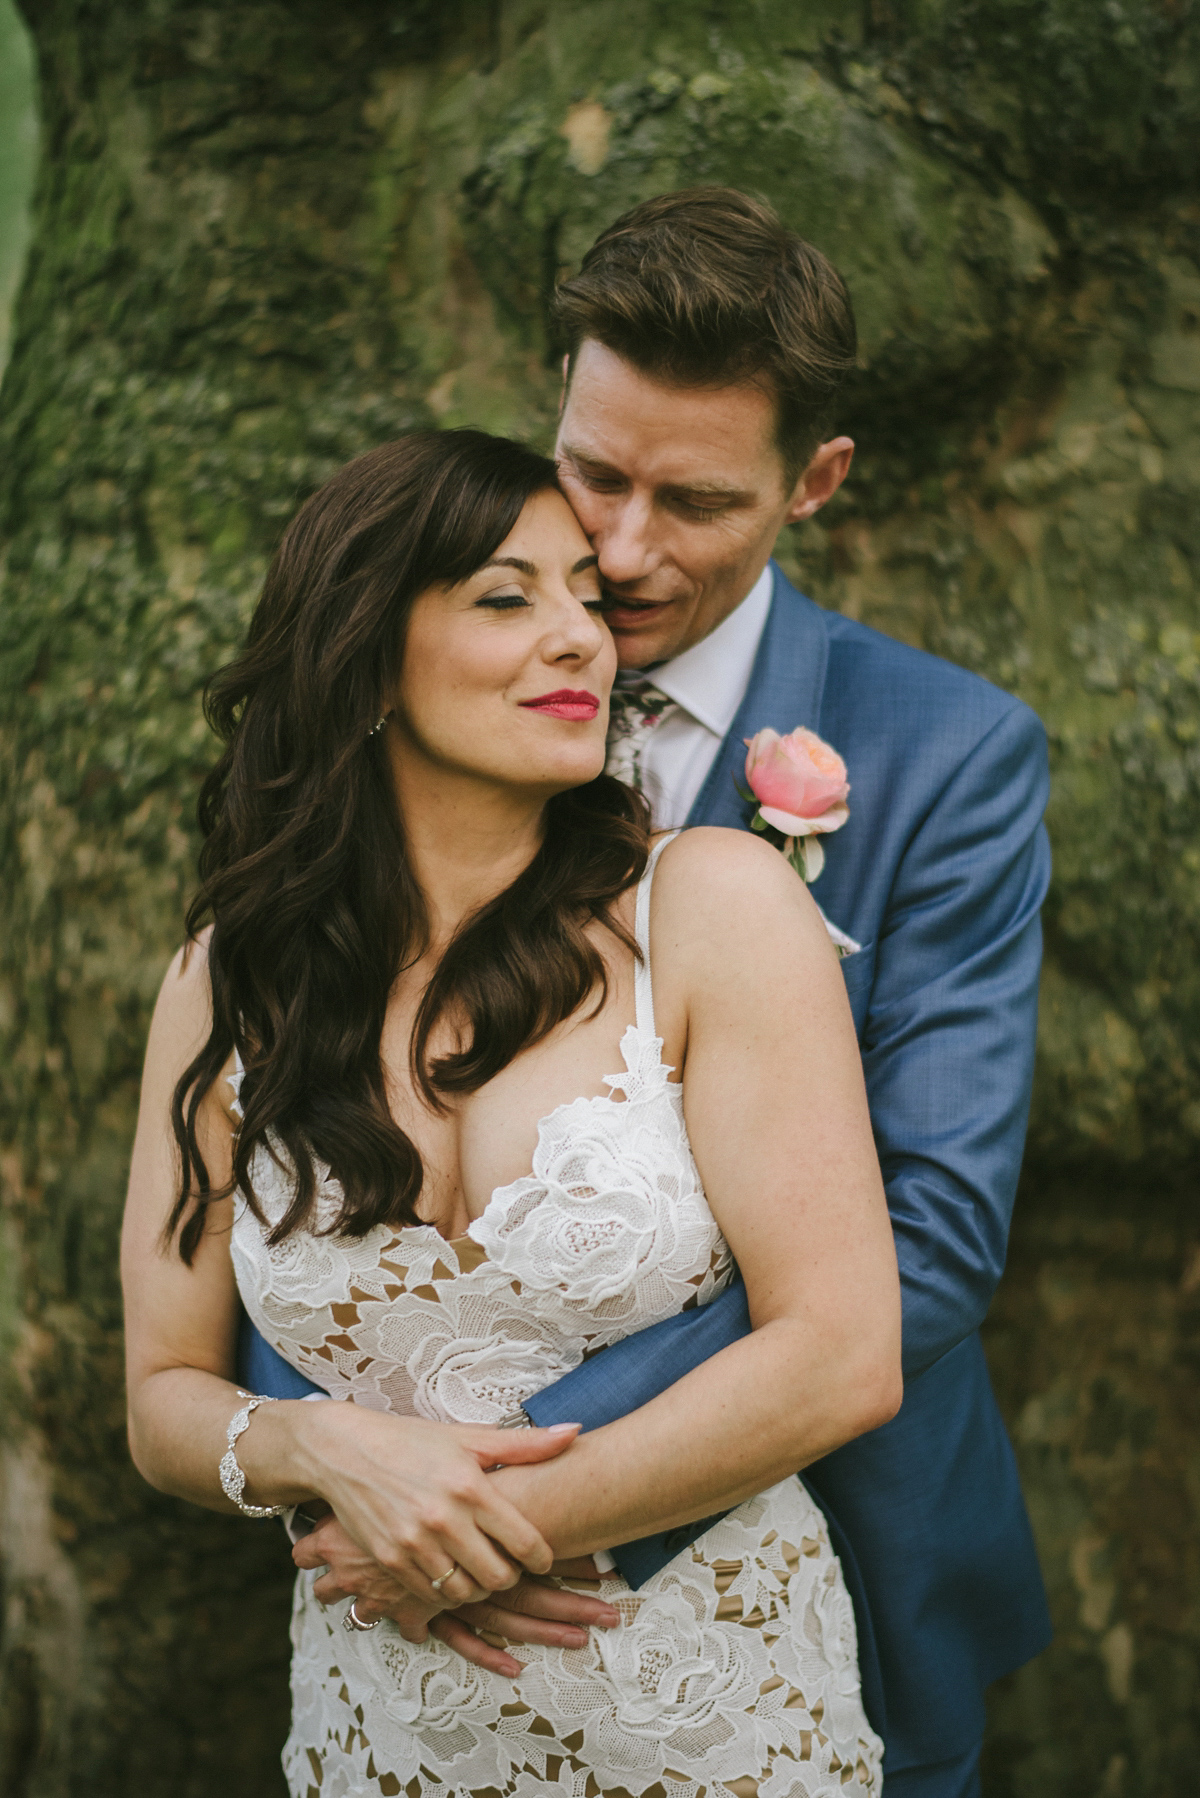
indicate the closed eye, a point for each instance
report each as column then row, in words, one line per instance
column 690, row 510
column 502, row 602
column 599, row 483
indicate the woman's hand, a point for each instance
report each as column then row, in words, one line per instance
column 415, row 1498
column 530, row 1613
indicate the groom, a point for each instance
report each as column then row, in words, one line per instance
column 706, row 344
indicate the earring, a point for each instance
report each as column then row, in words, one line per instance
column 376, row 728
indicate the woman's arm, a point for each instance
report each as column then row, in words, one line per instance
column 411, row 1492
column 777, row 1115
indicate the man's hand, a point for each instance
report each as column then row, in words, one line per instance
column 529, row 1612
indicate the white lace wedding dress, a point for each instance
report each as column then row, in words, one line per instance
column 736, row 1666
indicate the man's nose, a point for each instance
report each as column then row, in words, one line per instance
column 580, row 637
column 623, row 542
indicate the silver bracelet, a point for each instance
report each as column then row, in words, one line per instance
column 233, row 1480
column 515, row 1420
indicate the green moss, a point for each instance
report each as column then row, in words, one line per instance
column 268, row 236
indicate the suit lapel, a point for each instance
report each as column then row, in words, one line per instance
column 785, row 689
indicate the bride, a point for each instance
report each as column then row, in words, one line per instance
column 444, row 952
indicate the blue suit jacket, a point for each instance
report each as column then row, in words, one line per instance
column 940, row 874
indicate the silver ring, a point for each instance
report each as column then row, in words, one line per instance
column 353, row 1621
column 437, row 1584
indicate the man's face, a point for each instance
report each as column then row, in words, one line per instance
column 682, row 493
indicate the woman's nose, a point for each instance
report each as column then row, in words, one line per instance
column 580, row 636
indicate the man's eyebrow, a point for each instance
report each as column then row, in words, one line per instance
column 509, row 562
column 710, row 490
column 568, row 452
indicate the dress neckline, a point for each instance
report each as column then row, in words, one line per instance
column 642, row 1027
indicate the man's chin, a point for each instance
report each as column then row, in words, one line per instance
column 646, row 641
column 642, row 651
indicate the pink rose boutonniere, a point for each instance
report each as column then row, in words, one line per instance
column 800, row 785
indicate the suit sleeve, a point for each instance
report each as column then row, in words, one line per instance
column 629, row 1373
column 948, row 1042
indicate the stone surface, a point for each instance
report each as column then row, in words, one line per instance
column 267, row 235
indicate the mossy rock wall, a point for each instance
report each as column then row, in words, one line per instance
column 267, row 236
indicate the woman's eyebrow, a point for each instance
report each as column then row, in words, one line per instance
column 509, row 562
column 530, row 568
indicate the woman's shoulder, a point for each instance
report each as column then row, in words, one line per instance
column 711, row 866
column 181, row 1025
column 185, row 997
column 729, row 887
column 729, row 908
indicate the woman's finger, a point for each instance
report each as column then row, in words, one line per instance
column 532, row 1599
column 307, row 1553
column 458, row 1588
column 366, row 1612
column 461, row 1541
column 581, row 1567
column 416, row 1633
column 539, row 1631
column 508, row 1529
column 405, row 1573
column 465, row 1642
column 517, row 1448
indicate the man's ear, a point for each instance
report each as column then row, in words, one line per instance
column 821, row 479
column 566, row 382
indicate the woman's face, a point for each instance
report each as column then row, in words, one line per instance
column 506, row 675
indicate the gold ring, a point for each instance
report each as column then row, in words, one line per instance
column 437, row 1584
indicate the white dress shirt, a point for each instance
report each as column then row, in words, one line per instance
column 708, row 682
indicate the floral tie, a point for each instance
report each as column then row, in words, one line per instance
column 633, row 713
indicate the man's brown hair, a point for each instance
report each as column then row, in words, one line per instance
column 708, row 287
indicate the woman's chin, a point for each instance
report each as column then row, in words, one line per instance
column 559, row 774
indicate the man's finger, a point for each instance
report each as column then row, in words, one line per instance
column 465, row 1642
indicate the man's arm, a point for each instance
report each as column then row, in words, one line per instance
column 948, row 1046
column 260, row 1368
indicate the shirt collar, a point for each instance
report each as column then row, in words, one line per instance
column 709, row 680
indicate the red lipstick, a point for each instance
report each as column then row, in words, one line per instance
column 582, row 707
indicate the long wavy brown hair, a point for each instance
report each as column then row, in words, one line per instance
column 304, row 874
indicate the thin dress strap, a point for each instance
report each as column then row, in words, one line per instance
column 643, row 985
